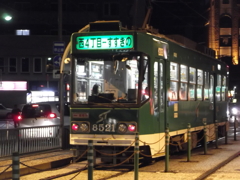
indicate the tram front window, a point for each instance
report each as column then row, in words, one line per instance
column 109, row 80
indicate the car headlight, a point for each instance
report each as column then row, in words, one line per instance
column 234, row 111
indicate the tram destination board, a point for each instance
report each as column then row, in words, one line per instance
column 102, row 42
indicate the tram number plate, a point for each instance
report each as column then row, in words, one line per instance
column 103, row 127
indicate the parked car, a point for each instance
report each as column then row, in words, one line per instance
column 5, row 113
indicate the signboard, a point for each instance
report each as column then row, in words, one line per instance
column 13, row 86
column 104, row 42
column 56, row 74
column 57, row 61
column 58, row 47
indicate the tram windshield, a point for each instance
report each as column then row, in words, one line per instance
column 114, row 79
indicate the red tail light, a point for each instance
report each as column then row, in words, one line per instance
column 34, row 105
column 19, row 117
column 52, row 115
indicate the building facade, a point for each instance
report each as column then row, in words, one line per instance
column 223, row 36
column 31, row 43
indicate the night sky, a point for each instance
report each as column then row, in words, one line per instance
column 184, row 17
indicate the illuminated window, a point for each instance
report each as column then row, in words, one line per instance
column 173, row 91
column 211, row 88
column 49, row 65
column 173, row 71
column 183, row 84
column 199, row 84
column 224, row 88
column 206, row 86
column 192, row 83
column 22, row 32
column 218, row 87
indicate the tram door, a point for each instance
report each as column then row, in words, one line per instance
column 158, row 93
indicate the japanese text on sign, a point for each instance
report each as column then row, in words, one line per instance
column 104, row 42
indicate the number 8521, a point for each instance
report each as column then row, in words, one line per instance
column 103, row 127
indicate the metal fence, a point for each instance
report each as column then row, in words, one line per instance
column 26, row 140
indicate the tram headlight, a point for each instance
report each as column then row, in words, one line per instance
column 122, row 128
column 234, row 111
column 84, row 127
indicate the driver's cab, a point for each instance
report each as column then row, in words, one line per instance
column 111, row 79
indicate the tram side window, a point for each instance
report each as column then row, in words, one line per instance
column 224, row 88
column 156, row 89
column 211, row 88
column 173, row 92
column 183, row 82
column 206, row 85
column 218, row 88
column 192, row 83
column 161, row 89
column 199, row 84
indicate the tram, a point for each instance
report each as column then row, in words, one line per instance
column 127, row 82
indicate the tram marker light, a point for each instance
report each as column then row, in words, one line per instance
column 131, row 127
column 75, row 127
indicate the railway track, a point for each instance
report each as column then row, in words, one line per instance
column 214, row 171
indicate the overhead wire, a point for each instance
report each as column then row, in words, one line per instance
column 171, row 13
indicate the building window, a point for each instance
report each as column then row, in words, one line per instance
column 225, row 41
column 49, row 65
column 37, row 65
column 12, row 65
column 22, row 32
column 25, row 65
column 225, row 21
column 2, row 64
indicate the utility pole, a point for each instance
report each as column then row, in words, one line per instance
column 61, row 84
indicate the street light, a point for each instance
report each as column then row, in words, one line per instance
column 6, row 17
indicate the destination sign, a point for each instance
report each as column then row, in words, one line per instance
column 104, row 42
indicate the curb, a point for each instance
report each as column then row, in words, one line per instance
column 38, row 168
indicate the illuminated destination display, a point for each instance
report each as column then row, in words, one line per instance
column 104, row 42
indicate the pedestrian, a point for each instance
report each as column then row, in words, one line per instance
column 15, row 113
